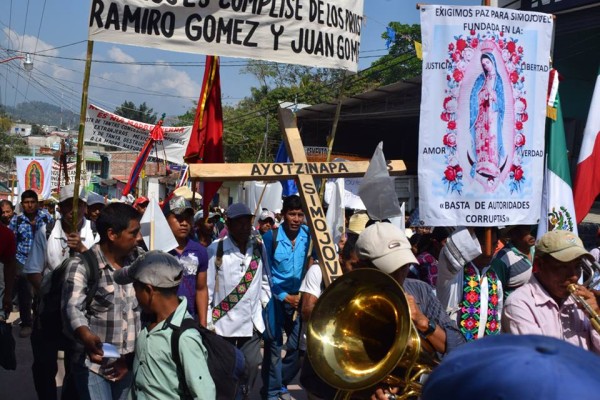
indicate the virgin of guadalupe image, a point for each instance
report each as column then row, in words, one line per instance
column 486, row 116
column 34, row 178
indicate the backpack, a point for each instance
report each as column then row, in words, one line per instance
column 226, row 363
column 49, row 228
column 49, row 310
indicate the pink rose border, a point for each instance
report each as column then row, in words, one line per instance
column 512, row 54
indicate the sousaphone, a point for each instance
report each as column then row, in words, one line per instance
column 360, row 334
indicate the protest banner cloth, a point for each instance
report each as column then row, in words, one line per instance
column 308, row 32
column 111, row 129
column 34, row 173
column 351, row 198
column 58, row 171
column 483, row 110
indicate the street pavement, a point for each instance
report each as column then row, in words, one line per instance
column 18, row 384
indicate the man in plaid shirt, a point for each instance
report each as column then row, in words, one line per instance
column 112, row 317
column 25, row 226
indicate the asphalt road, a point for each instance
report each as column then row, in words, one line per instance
column 18, row 384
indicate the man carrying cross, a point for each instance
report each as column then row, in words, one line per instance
column 287, row 256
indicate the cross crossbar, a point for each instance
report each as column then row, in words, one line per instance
column 303, row 171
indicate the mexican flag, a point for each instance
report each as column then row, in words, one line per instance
column 558, row 211
column 587, row 178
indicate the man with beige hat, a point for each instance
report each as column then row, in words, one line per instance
column 385, row 247
column 53, row 243
column 544, row 306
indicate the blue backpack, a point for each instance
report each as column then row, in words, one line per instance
column 226, row 363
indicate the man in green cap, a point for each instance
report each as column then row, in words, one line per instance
column 544, row 306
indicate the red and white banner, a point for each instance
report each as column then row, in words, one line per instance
column 71, row 168
column 111, row 129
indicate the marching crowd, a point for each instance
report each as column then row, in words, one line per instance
column 98, row 294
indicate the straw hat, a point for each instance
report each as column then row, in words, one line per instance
column 357, row 222
column 186, row 193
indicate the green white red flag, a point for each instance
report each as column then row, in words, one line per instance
column 558, row 211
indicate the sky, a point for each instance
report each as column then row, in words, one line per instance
column 55, row 32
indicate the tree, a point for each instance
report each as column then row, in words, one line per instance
column 10, row 145
column 401, row 62
column 36, row 130
column 141, row 113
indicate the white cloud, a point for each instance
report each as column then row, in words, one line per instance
column 146, row 83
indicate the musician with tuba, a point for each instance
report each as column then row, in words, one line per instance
column 552, row 303
column 385, row 247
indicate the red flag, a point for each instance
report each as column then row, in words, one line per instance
column 156, row 135
column 206, row 143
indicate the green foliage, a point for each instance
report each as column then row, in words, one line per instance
column 401, row 62
column 142, row 113
column 10, row 145
column 36, row 130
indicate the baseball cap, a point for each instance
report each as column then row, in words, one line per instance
column 200, row 215
column 237, row 210
column 541, row 367
column 357, row 222
column 386, row 246
column 67, row 192
column 140, row 200
column 154, row 268
column 94, row 198
column 177, row 205
column 265, row 215
column 565, row 246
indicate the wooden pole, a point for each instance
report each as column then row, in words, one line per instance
column 152, row 233
column 82, row 113
column 487, row 248
column 336, row 119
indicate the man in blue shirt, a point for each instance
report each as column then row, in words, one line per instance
column 287, row 252
column 25, row 226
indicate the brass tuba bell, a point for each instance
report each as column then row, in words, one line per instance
column 360, row 334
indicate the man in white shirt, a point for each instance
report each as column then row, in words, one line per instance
column 48, row 251
column 467, row 286
column 238, row 286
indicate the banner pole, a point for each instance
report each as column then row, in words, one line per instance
column 336, row 118
column 82, row 114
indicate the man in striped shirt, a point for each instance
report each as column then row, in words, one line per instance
column 112, row 317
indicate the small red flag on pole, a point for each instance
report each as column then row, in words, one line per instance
column 206, row 143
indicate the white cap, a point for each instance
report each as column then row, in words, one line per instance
column 67, row 192
column 386, row 246
column 265, row 215
column 94, row 198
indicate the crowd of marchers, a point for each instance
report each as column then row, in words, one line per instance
column 91, row 293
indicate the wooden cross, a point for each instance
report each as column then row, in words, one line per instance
column 303, row 171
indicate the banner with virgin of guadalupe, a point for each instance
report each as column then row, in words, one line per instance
column 483, row 110
column 35, row 173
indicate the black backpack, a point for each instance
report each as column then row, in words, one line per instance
column 49, row 310
column 226, row 362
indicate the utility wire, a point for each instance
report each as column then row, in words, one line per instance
column 37, row 39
